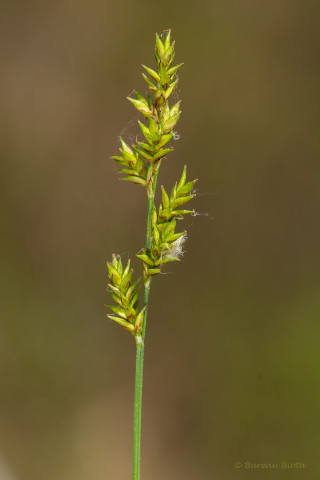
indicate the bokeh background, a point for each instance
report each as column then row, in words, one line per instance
column 232, row 350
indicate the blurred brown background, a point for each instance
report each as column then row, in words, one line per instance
column 232, row 351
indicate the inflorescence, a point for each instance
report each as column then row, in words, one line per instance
column 140, row 163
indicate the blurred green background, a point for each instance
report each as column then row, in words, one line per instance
column 232, row 351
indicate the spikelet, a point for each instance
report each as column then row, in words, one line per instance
column 125, row 295
column 166, row 243
column 142, row 160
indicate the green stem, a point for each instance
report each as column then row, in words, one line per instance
column 140, row 353
column 137, row 413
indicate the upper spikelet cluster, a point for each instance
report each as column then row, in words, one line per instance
column 142, row 160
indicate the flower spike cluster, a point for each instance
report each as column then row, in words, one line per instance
column 125, row 295
column 140, row 163
column 166, row 243
column 142, row 160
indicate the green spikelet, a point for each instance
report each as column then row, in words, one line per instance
column 167, row 245
column 125, row 295
column 160, row 117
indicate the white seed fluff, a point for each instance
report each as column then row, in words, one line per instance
column 176, row 250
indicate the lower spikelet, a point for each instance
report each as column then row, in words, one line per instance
column 125, row 295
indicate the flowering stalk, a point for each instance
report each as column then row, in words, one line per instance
column 141, row 162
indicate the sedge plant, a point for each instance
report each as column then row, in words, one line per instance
column 140, row 163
